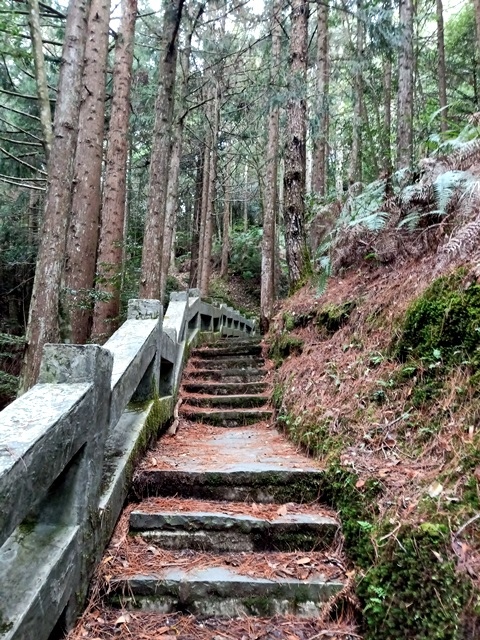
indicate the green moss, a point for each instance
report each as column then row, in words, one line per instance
column 159, row 415
column 413, row 586
column 442, row 327
column 257, row 605
column 284, row 346
column 5, row 626
column 277, row 395
column 332, row 317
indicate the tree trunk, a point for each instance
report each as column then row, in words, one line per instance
column 294, row 180
column 226, row 225
column 43, row 323
column 197, row 214
column 207, row 243
column 267, row 285
column 245, row 198
column 171, row 204
column 40, row 75
column 159, row 161
column 405, row 87
column 320, row 164
column 442, row 73
column 82, row 236
column 176, row 155
column 110, row 249
column 387, row 116
column 204, row 206
column 355, row 166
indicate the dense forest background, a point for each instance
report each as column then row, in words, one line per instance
column 229, row 145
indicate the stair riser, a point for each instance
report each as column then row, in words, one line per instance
column 236, row 486
column 220, row 598
column 222, row 363
column 225, row 390
column 228, row 375
column 228, row 402
column 241, row 350
column 219, row 419
column 276, row 539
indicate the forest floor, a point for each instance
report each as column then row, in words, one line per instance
column 377, row 379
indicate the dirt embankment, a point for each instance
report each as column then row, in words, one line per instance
column 378, row 378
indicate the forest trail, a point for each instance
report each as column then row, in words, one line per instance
column 224, row 536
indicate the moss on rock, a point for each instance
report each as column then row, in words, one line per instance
column 442, row 326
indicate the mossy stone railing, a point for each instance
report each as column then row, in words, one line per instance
column 67, row 451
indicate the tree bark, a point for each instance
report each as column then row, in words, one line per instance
column 43, row 323
column 267, row 284
column 159, row 161
column 176, row 155
column 82, row 236
column 355, row 166
column 226, row 225
column 204, row 206
column 40, row 75
column 442, row 73
column 110, row 249
column 197, row 214
column 294, row 178
column 320, row 164
column 387, row 116
column 207, row 242
column 405, row 87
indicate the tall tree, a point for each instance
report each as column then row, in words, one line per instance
column 267, row 289
column 177, row 146
column 207, row 239
column 43, row 323
column 110, row 248
column 442, row 70
column 82, row 235
column 405, row 86
column 355, row 165
column 295, row 158
column 319, row 167
column 41, row 75
column 159, row 160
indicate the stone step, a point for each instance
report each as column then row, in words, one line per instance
column 228, row 375
column 228, row 350
column 155, row 626
column 225, row 388
column 215, row 531
column 227, row 362
column 224, row 591
column 226, row 402
column 225, row 417
column 242, row 484
column 238, row 351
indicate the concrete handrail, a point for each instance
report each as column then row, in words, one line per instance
column 67, row 450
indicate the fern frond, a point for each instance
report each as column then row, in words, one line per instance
column 446, row 185
column 463, row 157
column 7, row 339
column 465, row 240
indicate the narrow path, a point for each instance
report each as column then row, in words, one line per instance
column 224, row 537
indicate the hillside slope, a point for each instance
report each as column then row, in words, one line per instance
column 379, row 378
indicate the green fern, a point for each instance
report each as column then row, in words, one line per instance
column 446, row 185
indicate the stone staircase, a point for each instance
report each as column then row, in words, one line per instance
column 225, row 522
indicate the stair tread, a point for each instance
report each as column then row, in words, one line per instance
column 230, row 508
column 202, row 448
column 152, row 625
column 137, row 558
column 237, row 410
column 212, row 519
